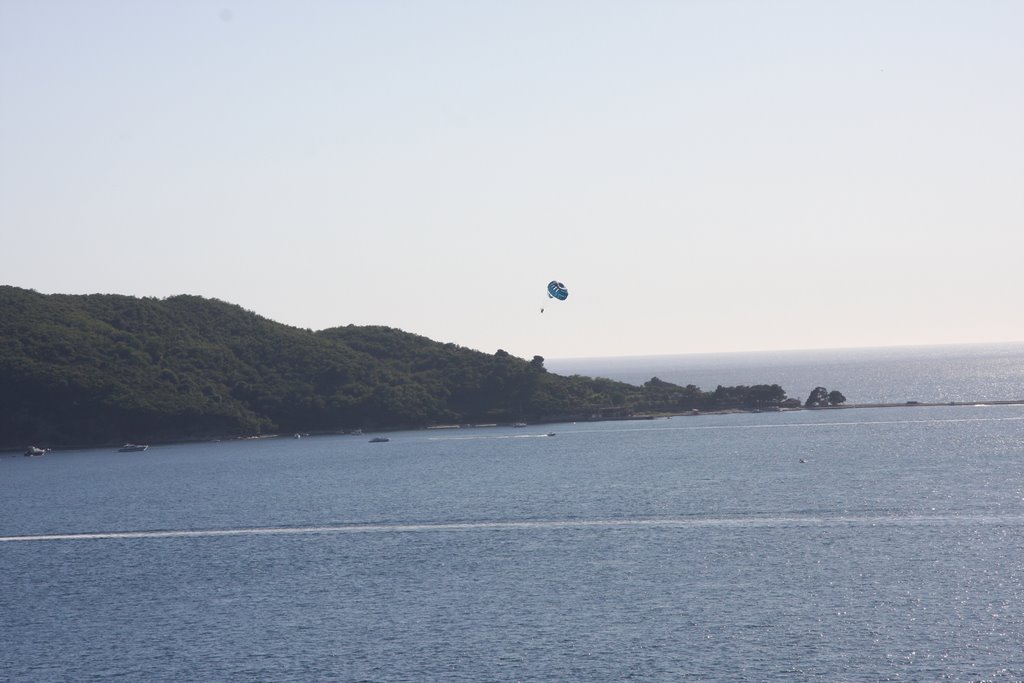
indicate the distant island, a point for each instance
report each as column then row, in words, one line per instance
column 101, row 369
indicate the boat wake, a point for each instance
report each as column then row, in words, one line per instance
column 489, row 437
column 695, row 522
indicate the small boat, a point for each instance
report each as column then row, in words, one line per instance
column 34, row 451
column 551, row 433
column 132, row 448
column 518, row 424
column 379, row 439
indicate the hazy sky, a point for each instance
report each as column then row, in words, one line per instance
column 704, row 176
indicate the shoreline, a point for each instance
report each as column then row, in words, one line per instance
column 926, row 404
column 850, row 406
column 8, row 451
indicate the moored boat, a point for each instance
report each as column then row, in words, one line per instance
column 132, row 448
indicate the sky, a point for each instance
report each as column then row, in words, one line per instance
column 703, row 175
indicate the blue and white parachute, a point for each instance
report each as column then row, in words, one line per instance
column 556, row 290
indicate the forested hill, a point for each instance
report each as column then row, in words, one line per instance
column 101, row 369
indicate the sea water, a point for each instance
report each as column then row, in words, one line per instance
column 930, row 374
column 856, row 545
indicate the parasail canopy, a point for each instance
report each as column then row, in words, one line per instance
column 556, row 290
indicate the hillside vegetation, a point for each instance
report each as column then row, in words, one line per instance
column 100, row 369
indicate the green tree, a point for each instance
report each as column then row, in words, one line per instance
column 836, row 398
column 817, row 398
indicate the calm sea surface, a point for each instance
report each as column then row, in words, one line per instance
column 987, row 372
column 849, row 545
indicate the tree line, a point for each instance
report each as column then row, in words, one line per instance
column 99, row 369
